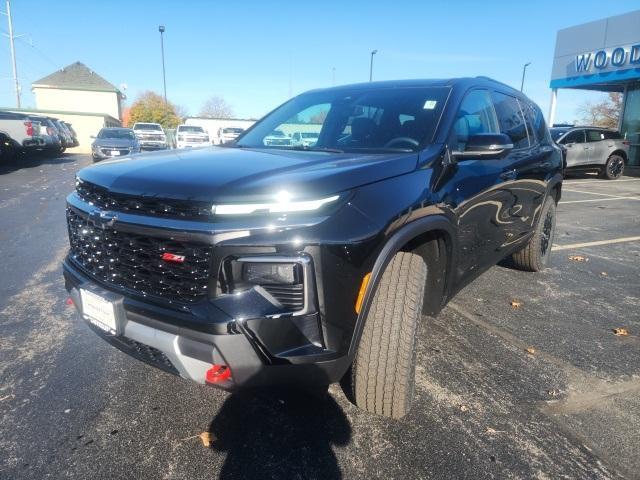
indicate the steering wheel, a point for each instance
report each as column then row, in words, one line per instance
column 393, row 141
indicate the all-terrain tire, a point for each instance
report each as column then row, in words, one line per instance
column 535, row 256
column 614, row 168
column 383, row 372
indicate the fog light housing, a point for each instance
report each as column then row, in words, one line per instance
column 263, row 273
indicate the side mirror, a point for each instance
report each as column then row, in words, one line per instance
column 486, row 146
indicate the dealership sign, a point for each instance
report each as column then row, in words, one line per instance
column 609, row 59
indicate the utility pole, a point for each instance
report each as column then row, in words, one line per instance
column 13, row 53
column 164, row 77
column 373, row 52
column 524, row 70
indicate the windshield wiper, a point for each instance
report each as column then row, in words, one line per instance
column 317, row 149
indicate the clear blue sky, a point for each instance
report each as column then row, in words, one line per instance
column 253, row 53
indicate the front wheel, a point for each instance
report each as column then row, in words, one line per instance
column 614, row 168
column 535, row 256
column 383, row 372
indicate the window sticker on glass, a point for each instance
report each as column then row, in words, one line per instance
column 430, row 104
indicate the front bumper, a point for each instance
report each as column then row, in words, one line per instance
column 186, row 144
column 185, row 345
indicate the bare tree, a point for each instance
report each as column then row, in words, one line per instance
column 605, row 113
column 216, row 107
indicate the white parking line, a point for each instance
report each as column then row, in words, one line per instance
column 590, row 193
column 595, row 244
column 599, row 200
column 571, row 182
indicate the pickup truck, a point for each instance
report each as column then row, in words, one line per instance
column 191, row 136
column 151, row 136
column 18, row 133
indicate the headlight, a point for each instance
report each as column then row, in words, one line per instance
column 283, row 204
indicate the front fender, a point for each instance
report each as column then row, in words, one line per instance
column 435, row 223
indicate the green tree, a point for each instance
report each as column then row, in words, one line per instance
column 151, row 107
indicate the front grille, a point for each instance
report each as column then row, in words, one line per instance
column 133, row 262
column 290, row 296
column 152, row 138
column 195, row 139
column 149, row 354
column 106, row 200
column 109, row 151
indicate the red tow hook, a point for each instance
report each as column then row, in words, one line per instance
column 217, row 374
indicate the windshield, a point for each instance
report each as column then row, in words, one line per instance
column 120, row 134
column 373, row 120
column 309, row 135
column 233, row 130
column 190, row 128
column 556, row 133
column 147, row 126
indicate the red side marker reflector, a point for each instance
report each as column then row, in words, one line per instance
column 217, row 374
column 172, row 257
column 69, row 301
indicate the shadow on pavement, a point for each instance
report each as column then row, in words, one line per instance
column 21, row 162
column 279, row 434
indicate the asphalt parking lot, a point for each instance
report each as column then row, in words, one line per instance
column 541, row 390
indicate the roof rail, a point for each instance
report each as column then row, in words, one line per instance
column 484, row 77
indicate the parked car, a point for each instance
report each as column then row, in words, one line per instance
column 114, row 142
column 151, row 136
column 49, row 133
column 229, row 134
column 304, row 139
column 191, row 136
column 258, row 265
column 74, row 135
column 593, row 148
column 277, row 138
column 63, row 133
column 18, row 134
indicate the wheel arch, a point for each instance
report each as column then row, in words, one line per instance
column 432, row 238
column 620, row 152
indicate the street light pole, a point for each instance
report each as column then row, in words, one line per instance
column 13, row 53
column 373, row 52
column 164, row 77
column 524, row 70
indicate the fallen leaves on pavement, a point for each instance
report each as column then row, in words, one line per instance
column 578, row 258
column 463, row 408
column 516, row 304
column 531, row 350
column 621, row 332
column 604, row 274
column 206, row 438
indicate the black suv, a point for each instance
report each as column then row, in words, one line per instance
column 257, row 264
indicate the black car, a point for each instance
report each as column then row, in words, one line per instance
column 258, row 264
column 114, row 142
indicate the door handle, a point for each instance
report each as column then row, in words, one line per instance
column 509, row 175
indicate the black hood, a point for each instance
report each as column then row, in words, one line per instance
column 233, row 174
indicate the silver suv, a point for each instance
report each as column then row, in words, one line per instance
column 593, row 148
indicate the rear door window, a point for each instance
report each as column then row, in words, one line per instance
column 594, row 135
column 510, row 119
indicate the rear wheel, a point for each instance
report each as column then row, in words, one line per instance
column 534, row 257
column 7, row 150
column 614, row 168
column 382, row 374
